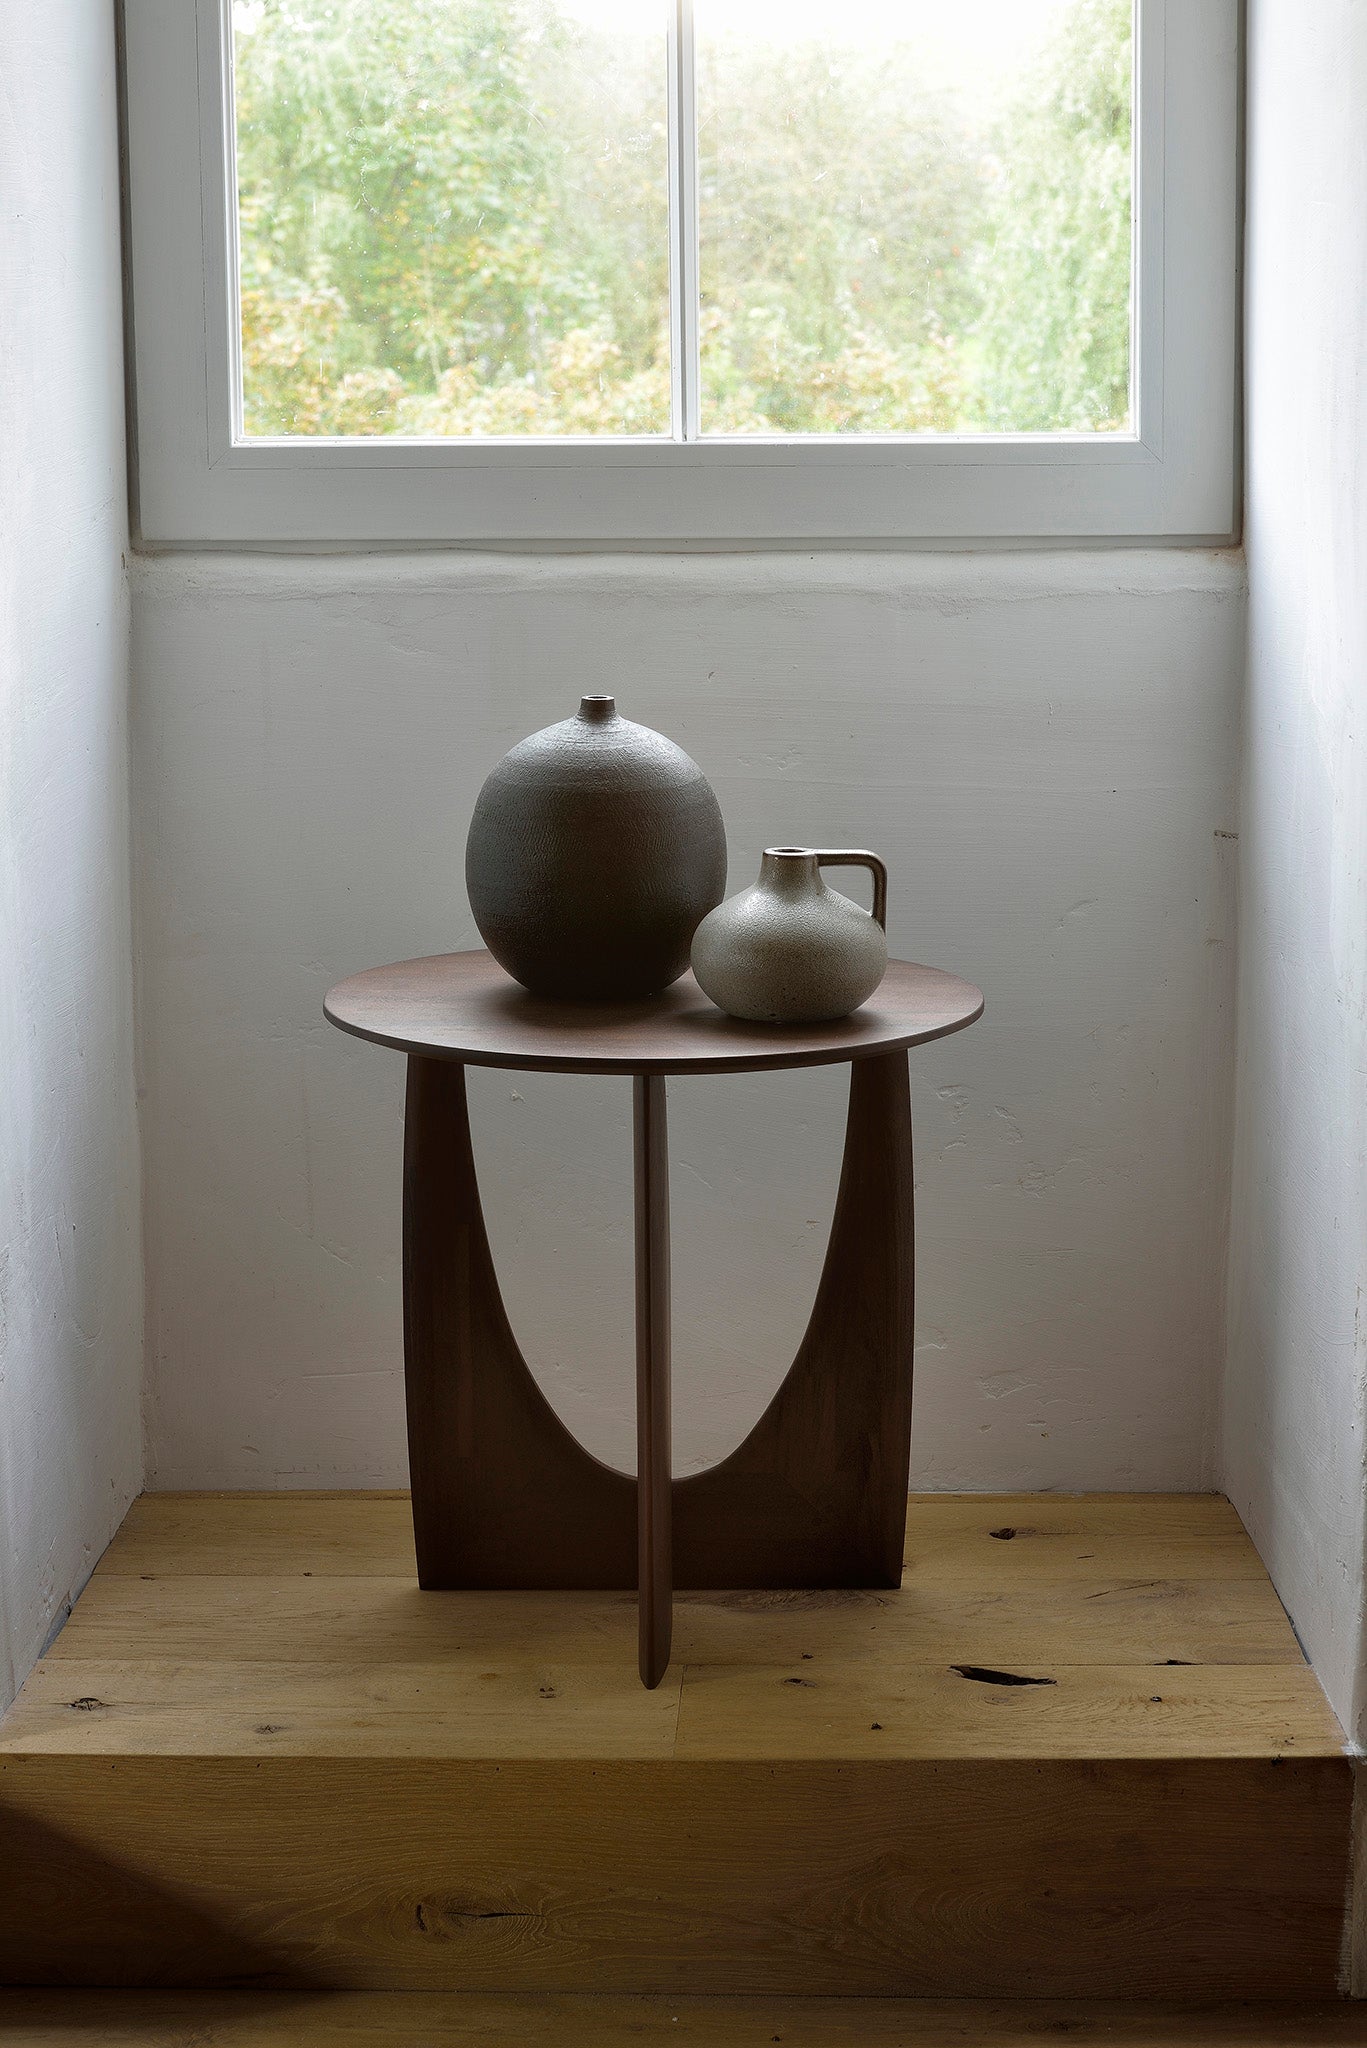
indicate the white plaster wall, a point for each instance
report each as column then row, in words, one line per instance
column 1294, row 1439
column 70, row 1262
column 1041, row 745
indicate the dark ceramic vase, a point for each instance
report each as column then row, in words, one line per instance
column 595, row 850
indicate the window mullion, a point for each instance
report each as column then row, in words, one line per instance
column 683, row 222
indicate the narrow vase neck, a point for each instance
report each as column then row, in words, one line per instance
column 790, row 871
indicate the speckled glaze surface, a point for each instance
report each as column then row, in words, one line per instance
column 789, row 950
column 595, row 848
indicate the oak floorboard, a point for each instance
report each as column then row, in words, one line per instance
column 346, row 1535
column 264, row 1535
column 1180, row 1878
column 360, row 2019
column 352, row 1620
column 521, row 1709
column 259, row 1757
column 819, row 1707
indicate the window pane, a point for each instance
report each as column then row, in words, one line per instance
column 915, row 214
column 453, row 216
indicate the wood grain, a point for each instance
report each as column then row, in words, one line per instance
column 462, row 1006
column 522, row 1707
column 314, row 1644
column 208, row 2019
column 336, row 1620
column 936, row 1879
column 884, row 1707
column 949, row 1537
column 309, row 1776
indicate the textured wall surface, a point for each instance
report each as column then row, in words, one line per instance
column 1041, row 745
column 70, row 1259
column 1294, row 1440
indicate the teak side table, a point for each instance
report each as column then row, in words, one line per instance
column 503, row 1495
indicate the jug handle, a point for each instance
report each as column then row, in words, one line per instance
column 855, row 857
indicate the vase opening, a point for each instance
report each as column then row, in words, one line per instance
column 597, row 710
column 792, row 870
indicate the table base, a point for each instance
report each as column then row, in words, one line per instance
column 505, row 1497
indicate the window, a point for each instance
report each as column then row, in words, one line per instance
column 672, row 271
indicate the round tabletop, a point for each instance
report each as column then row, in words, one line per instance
column 462, row 1006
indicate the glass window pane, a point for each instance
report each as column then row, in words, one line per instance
column 453, row 216
column 915, row 215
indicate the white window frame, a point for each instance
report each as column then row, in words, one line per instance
column 199, row 482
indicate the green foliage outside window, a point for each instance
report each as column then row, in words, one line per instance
column 454, row 220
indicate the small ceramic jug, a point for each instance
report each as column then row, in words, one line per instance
column 790, row 950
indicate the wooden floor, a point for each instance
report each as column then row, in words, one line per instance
column 102, row 2019
column 291, row 1625
column 1078, row 1753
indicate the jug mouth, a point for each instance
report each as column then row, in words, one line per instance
column 791, row 868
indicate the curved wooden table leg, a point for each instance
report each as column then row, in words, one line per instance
column 503, row 1494
column 816, row 1495
column 654, row 1501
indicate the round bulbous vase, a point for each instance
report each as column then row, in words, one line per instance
column 790, row 950
column 595, row 848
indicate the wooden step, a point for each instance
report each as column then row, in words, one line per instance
column 1078, row 1754
column 351, row 2019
